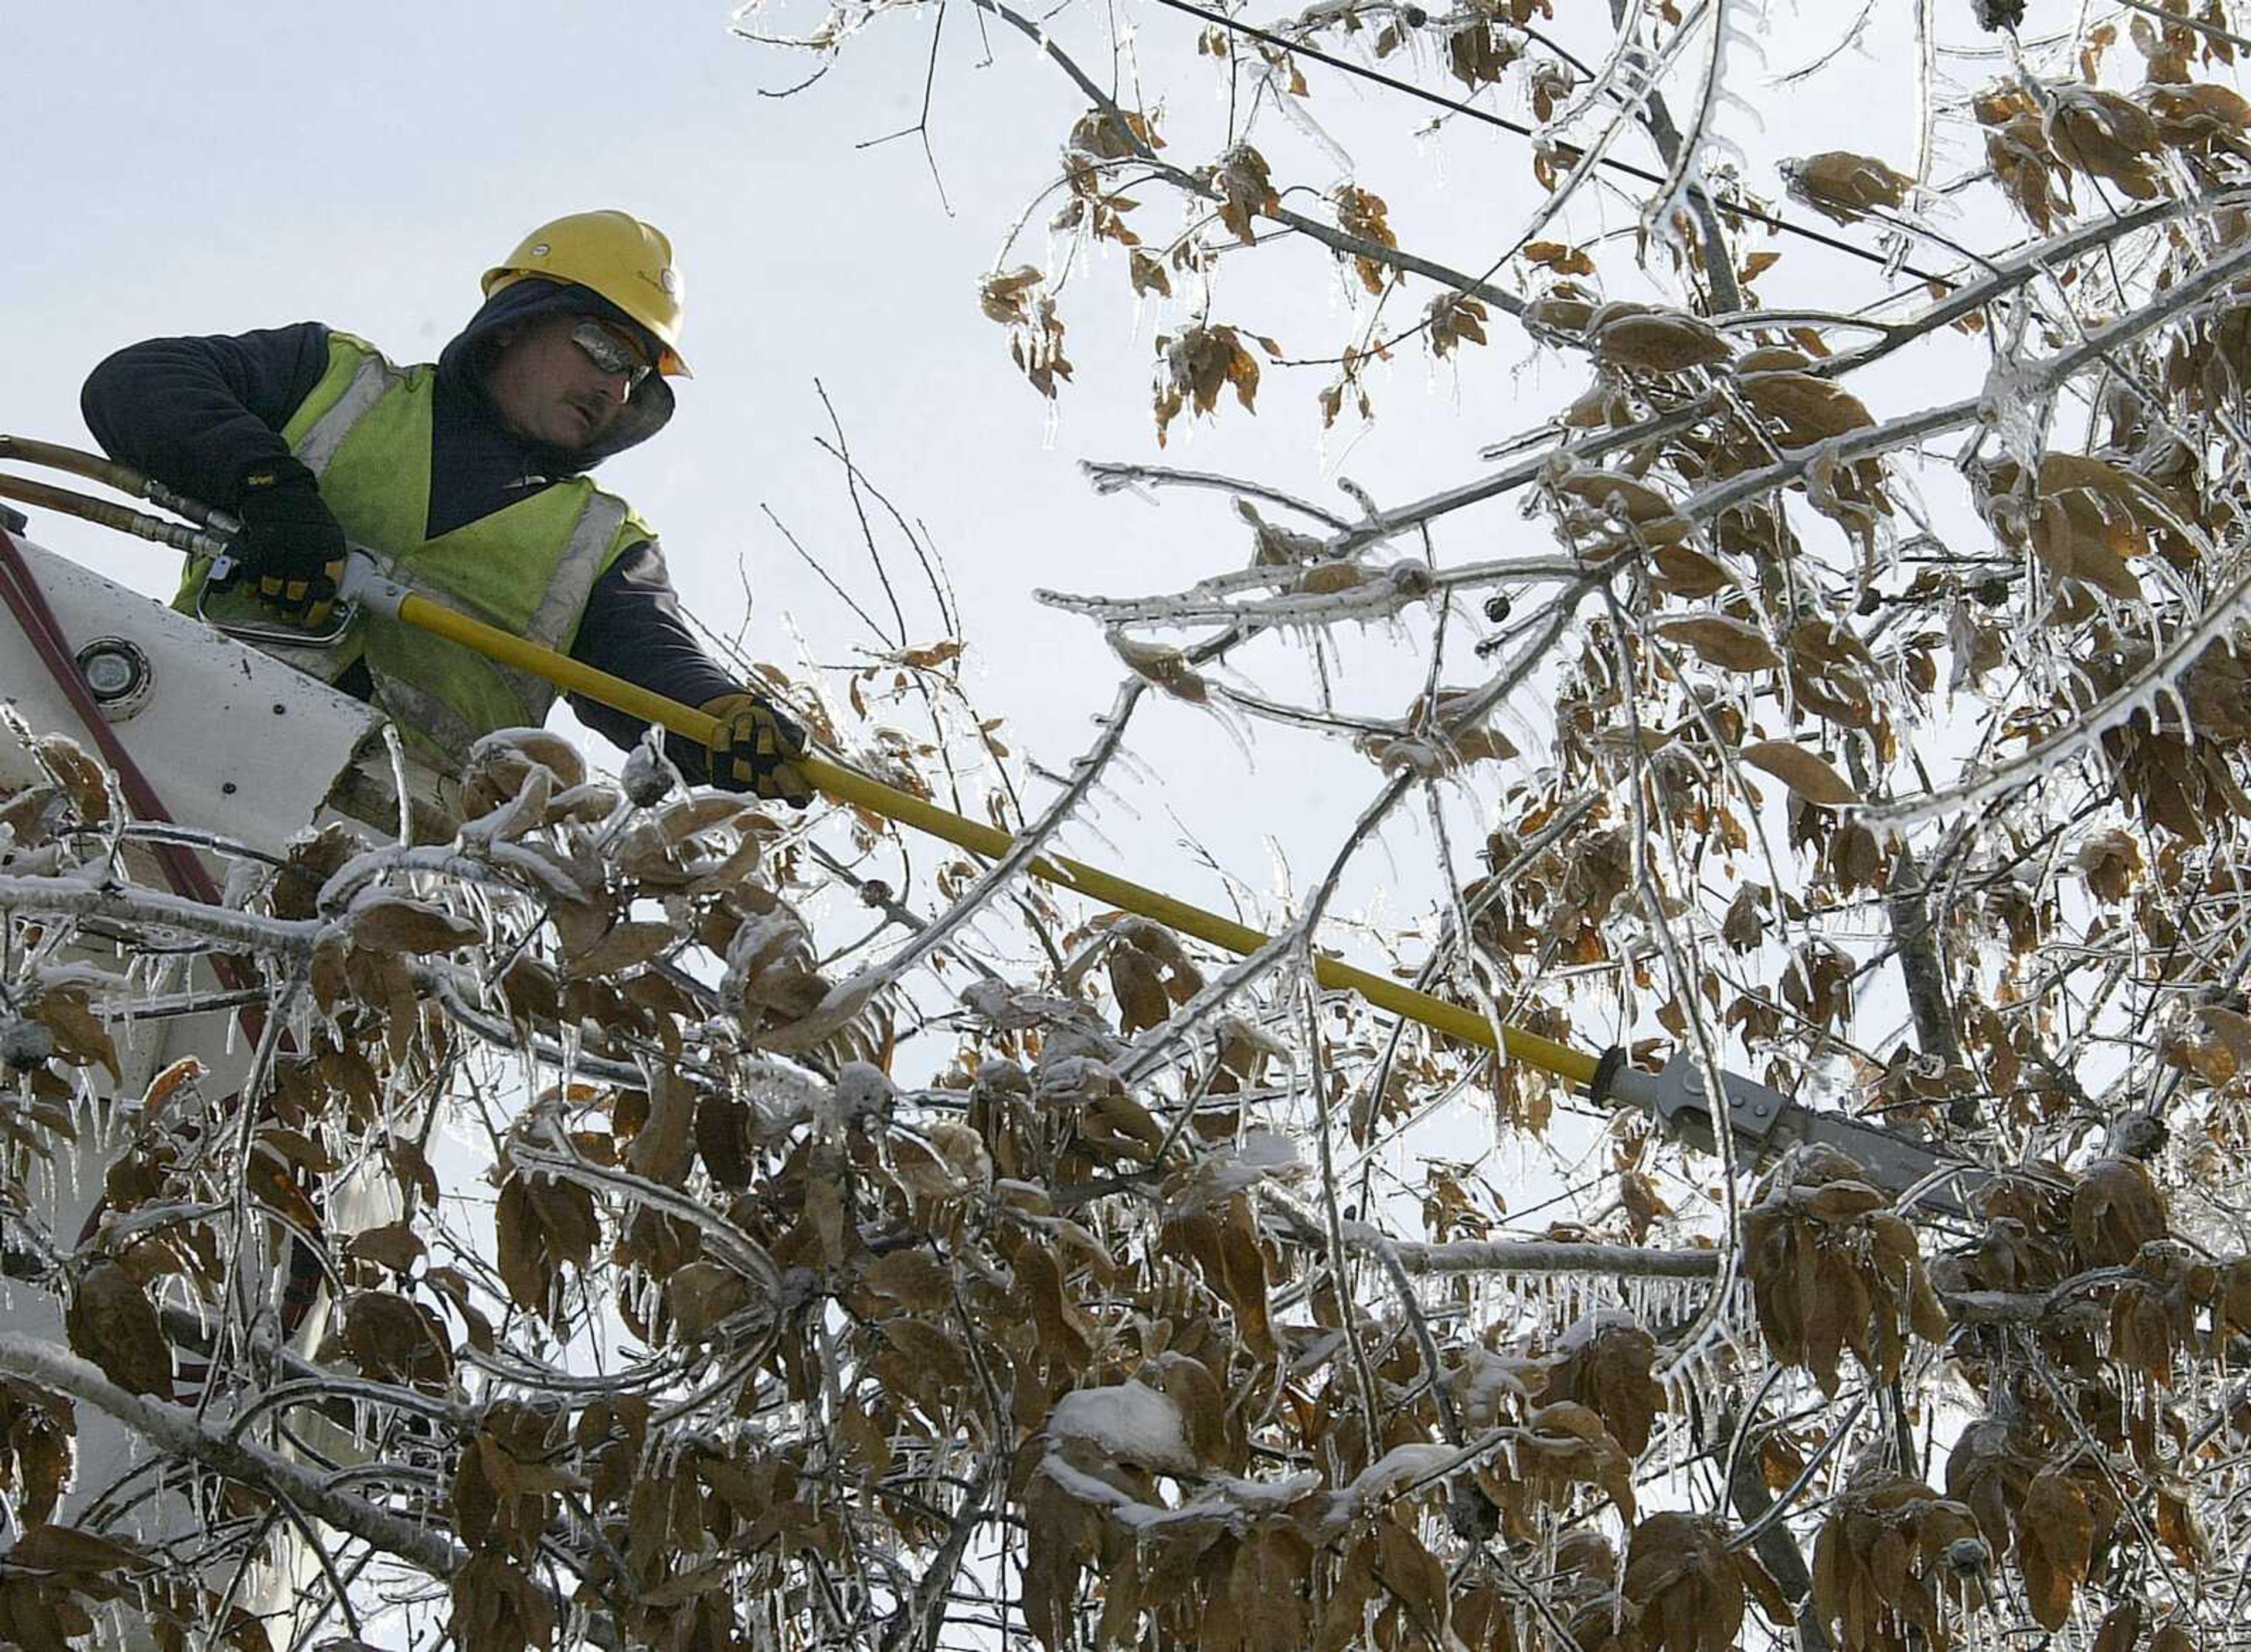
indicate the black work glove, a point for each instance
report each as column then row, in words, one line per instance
column 755, row 749
column 290, row 545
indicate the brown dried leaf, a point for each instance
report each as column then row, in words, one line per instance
column 1328, row 578
column 2178, row 1530
column 701, row 1294
column 1874, row 1559
column 2114, row 1210
column 500, row 1607
column 1652, row 514
column 1609, row 1369
column 312, row 860
column 1555, row 255
column 917, row 1278
column 1451, row 319
column 1744, row 927
column 1683, row 1583
column 2055, row 1541
column 2106, row 136
column 1148, row 274
column 1362, row 214
column 664, row 1147
column 1014, row 299
column 36, row 1428
column 1246, row 191
column 273, row 1185
column 1165, row 666
column 81, row 779
column 1105, row 136
column 394, row 1245
column 395, row 1340
column 1001, row 293
column 394, row 924
column 1656, row 341
column 1413, row 1573
column 72, row 1550
column 1808, row 775
column 2073, row 538
column 1683, row 570
column 2110, row 860
column 1806, row 409
column 1479, row 52
column 2028, row 171
column 1196, row 364
column 542, row 1228
column 1844, row 186
column 1138, row 981
column 1728, row 643
column 80, row 1038
column 2205, row 117
column 502, row 764
column 1559, row 313
column 111, row 1321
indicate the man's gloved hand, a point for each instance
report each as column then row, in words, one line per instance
column 290, row 545
column 755, row 749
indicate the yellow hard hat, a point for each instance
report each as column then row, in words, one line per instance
column 615, row 254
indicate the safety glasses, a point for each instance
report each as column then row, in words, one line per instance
column 610, row 353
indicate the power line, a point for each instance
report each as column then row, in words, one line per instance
column 1643, row 174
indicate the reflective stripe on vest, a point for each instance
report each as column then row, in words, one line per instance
column 583, row 560
column 369, row 382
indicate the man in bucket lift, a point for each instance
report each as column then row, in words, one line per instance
column 467, row 479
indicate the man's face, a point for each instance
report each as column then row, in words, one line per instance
column 551, row 390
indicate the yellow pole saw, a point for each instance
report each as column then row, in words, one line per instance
column 1759, row 1117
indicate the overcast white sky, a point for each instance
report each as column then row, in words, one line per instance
column 198, row 167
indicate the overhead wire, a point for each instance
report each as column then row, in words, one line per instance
column 1787, row 226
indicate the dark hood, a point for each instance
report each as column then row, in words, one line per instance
column 461, row 369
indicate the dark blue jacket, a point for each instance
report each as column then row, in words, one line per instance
column 196, row 413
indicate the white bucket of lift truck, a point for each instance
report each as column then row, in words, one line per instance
column 251, row 750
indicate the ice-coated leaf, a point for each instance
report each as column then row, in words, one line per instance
column 1655, row 341
column 79, row 1037
column 394, row 924
column 395, row 1245
column 1718, row 640
column 82, row 779
column 627, row 947
column 1845, row 185
column 1804, row 772
column 394, row 1339
column 112, row 1322
column 72, row 1548
column 1165, row 666
column 2054, row 1546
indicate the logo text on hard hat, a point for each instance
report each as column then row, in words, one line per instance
column 539, row 250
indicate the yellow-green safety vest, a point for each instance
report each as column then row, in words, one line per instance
column 528, row 568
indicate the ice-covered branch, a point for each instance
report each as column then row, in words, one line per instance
column 179, row 1432
column 71, row 896
column 1539, row 1256
column 1377, row 594
column 1111, row 476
